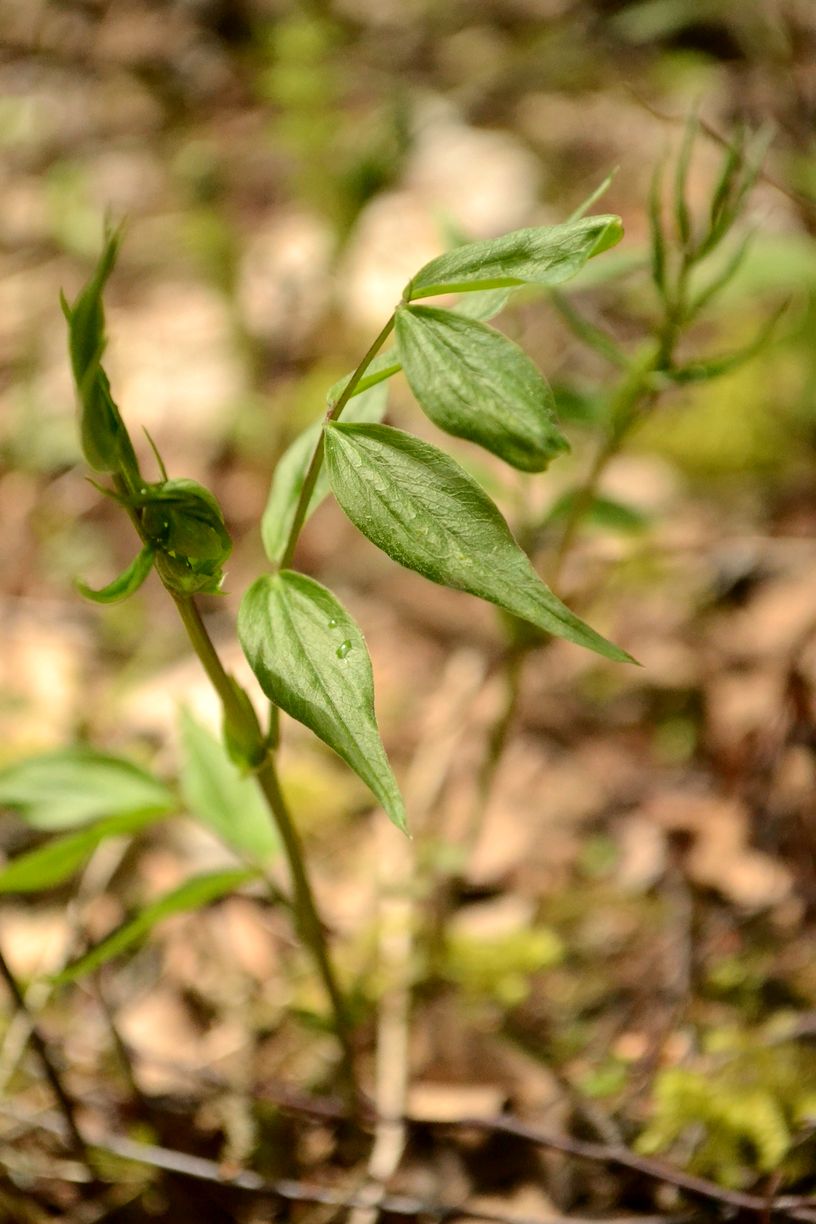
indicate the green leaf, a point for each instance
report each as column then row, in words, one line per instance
column 126, row 584
column 291, row 469
column 193, row 894
column 588, row 332
column 475, row 383
column 61, row 858
column 425, row 512
column 604, row 512
column 185, row 520
column 547, row 255
column 717, row 367
column 657, row 233
column 311, row 659
column 105, row 441
column 74, row 786
column 682, row 215
column 220, row 797
column 483, row 306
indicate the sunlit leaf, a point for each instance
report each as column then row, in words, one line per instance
column 311, row 659
column 547, row 255
column 475, row 383
column 425, row 512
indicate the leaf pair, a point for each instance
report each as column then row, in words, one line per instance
column 425, row 512
column 471, row 380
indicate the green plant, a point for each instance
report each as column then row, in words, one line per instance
column 407, row 496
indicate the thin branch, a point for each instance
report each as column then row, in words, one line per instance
column 292, row 1191
column 316, row 462
column 792, row 1206
column 789, row 1206
column 64, row 1099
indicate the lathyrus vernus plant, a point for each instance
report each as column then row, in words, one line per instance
column 408, row 497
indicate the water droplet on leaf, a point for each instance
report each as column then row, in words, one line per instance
column 333, row 623
column 343, row 649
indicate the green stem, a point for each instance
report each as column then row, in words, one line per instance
column 242, row 727
column 307, row 917
column 635, row 391
column 239, row 716
column 581, row 504
column 313, row 470
column 242, row 720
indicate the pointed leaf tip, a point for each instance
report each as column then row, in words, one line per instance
column 544, row 255
column 417, row 505
column 311, row 659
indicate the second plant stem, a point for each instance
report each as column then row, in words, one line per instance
column 635, row 392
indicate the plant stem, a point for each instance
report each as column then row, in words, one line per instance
column 243, row 719
column 242, row 725
column 65, row 1101
column 316, row 463
column 307, row 918
column 236, row 714
column 635, row 392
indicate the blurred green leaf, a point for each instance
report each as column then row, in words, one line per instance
column 73, row 786
column 220, row 797
column 592, row 198
column 291, row 468
column 61, row 858
column 384, row 366
column 193, row 894
column 717, row 367
column 606, row 512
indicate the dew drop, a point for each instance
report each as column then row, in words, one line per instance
column 343, row 649
column 333, row 623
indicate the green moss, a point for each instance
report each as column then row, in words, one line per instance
column 500, row 967
column 741, row 1115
